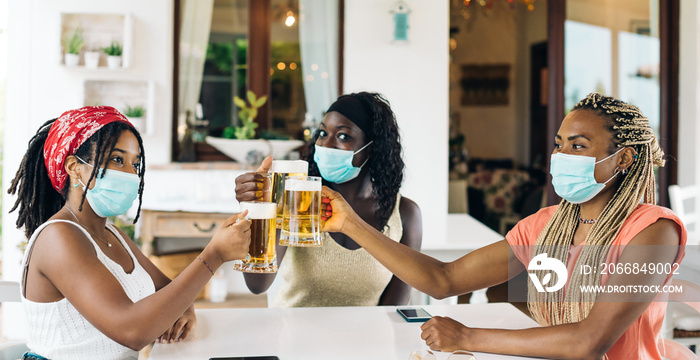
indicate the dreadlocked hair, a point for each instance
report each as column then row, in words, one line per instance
column 385, row 163
column 37, row 199
column 629, row 129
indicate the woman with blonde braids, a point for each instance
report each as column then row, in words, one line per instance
column 602, row 167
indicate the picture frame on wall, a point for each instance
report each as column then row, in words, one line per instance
column 485, row 84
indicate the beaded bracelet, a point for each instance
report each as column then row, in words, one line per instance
column 205, row 264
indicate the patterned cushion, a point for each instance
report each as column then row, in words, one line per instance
column 500, row 187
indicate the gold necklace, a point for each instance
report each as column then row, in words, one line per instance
column 86, row 228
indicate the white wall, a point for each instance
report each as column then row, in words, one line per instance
column 39, row 88
column 414, row 78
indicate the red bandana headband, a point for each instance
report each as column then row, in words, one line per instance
column 70, row 131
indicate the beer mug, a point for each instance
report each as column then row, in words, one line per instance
column 301, row 211
column 280, row 169
column 261, row 256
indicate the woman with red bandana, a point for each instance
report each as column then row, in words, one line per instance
column 87, row 290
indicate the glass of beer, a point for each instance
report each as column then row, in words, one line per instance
column 280, row 169
column 262, row 257
column 301, row 213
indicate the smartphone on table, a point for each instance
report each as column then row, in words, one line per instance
column 414, row 314
column 246, row 358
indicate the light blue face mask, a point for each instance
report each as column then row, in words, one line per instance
column 335, row 165
column 114, row 193
column 573, row 177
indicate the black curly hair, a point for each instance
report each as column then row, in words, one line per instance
column 386, row 165
column 36, row 197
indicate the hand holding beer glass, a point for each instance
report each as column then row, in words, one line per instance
column 336, row 213
column 297, row 208
column 262, row 257
column 256, row 186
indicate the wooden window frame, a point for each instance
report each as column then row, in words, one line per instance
column 258, row 73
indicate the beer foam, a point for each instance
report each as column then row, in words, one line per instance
column 290, row 167
column 301, row 185
column 259, row 209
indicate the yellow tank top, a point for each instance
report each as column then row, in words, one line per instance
column 331, row 275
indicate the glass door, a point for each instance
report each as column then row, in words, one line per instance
column 613, row 48
column 627, row 49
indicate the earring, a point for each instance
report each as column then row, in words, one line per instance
column 75, row 185
column 624, row 171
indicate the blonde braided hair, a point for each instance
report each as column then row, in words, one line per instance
column 629, row 128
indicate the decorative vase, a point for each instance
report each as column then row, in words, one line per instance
column 72, row 59
column 114, row 62
column 239, row 150
column 92, row 59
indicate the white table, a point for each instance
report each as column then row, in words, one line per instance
column 464, row 234
column 327, row 333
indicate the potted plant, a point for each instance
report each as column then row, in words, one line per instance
column 92, row 59
column 114, row 54
column 239, row 142
column 136, row 115
column 247, row 115
column 72, row 47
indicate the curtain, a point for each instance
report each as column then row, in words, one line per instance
column 194, row 39
column 318, row 42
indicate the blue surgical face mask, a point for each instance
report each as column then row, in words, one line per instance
column 335, row 165
column 573, row 177
column 112, row 194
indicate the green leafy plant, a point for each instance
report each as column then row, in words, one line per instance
column 75, row 43
column 135, row 111
column 221, row 56
column 247, row 115
column 114, row 49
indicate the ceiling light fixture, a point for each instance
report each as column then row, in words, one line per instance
column 290, row 20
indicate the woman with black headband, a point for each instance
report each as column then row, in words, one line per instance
column 357, row 152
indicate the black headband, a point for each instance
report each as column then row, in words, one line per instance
column 356, row 110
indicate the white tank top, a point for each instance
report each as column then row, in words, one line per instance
column 56, row 330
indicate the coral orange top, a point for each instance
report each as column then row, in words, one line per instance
column 639, row 341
